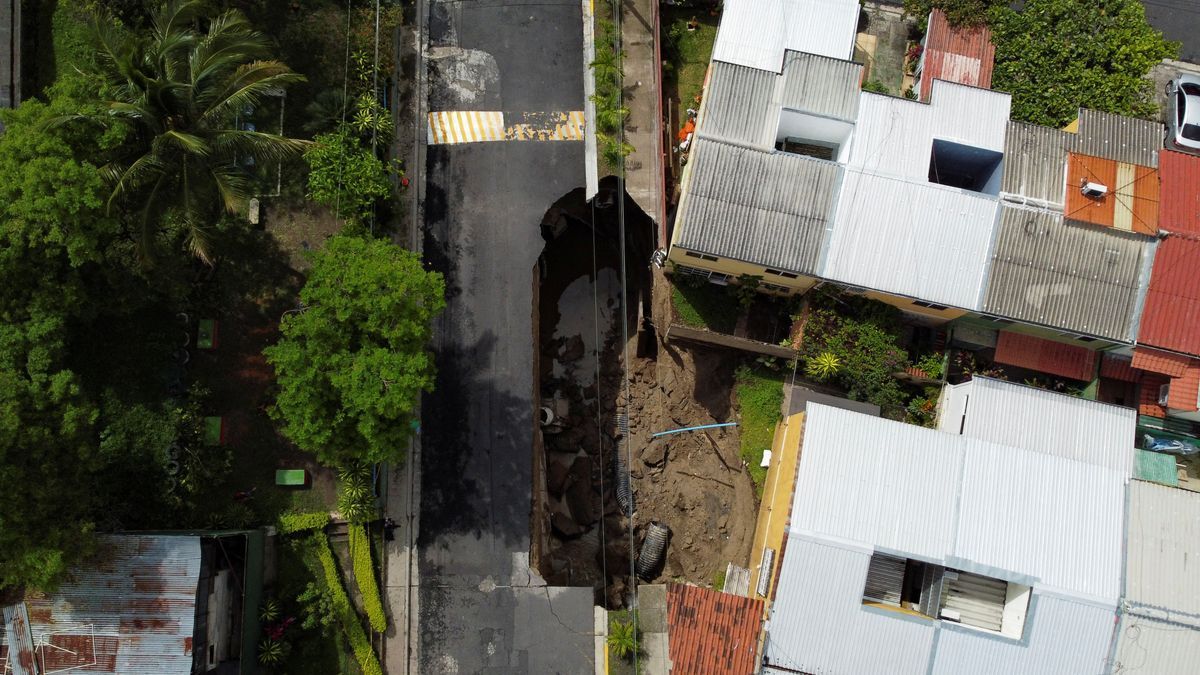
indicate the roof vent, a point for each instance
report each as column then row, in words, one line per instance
column 1090, row 189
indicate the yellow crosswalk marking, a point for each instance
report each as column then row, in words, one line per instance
column 478, row 126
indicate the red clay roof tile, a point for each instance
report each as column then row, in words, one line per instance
column 1046, row 356
column 1171, row 315
column 1117, row 367
column 711, row 632
column 1164, row 363
column 1179, row 207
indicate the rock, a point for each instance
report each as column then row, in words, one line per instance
column 681, row 502
column 579, row 496
column 655, row 454
column 565, row 526
column 573, row 350
column 556, row 478
column 723, row 522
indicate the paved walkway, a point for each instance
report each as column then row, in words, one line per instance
column 643, row 168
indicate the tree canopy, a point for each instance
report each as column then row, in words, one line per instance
column 352, row 363
column 1055, row 56
column 178, row 91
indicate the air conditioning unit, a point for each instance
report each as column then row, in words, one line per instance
column 1163, row 392
column 1090, row 189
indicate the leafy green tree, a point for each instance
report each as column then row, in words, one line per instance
column 958, row 12
column 1055, row 56
column 351, row 366
column 345, row 175
column 177, row 90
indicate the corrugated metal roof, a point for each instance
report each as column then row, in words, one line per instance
column 17, row 653
column 1171, row 316
column 1062, row 636
column 882, row 483
column 1125, row 139
column 1148, row 646
column 1035, row 162
column 822, row 85
column 1156, row 361
column 1157, row 467
column 1046, row 356
column 762, row 208
column 998, row 510
column 755, row 33
column 1162, row 577
column 957, row 54
column 1179, row 205
column 888, row 232
column 1075, row 277
column 895, row 136
column 737, row 105
column 1057, row 424
column 130, row 610
column 1057, row 520
column 818, row 623
column 711, row 632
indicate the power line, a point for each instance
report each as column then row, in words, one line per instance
column 337, row 202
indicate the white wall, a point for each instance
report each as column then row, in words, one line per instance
column 794, row 124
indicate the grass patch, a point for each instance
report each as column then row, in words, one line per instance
column 759, row 399
column 688, row 52
column 616, row 664
column 704, row 306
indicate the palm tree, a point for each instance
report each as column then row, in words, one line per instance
column 177, row 90
column 622, row 638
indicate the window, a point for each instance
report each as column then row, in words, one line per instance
column 715, row 277
column 1000, row 320
column 965, row 166
column 781, row 273
column 1191, row 132
column 929, row 305
column 702, row 256
column 773, row 288
column 1077, row 337
column 955, row 596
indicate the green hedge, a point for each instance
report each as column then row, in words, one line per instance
column 302, row 522
column 359, row 643
column 364, row 574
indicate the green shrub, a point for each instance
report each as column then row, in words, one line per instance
column 302, row 522
column 623, row 638
column 364, row 574
column 866, row 342
column 360, row 644
column 875, row 86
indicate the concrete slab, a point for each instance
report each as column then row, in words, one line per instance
column 889, row 30
column 643, row 88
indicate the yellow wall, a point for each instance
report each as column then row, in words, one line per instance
column 931, row 316
column 736, row 268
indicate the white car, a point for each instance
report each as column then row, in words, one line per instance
column 1183, row 122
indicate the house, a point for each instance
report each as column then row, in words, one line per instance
column 1059, row 250
column 1159, row 630
column 914, row 550
column 145, row 603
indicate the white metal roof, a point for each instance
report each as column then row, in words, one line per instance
column 1163, row 560
column 1014, row 414
column 756, row 33
column 1062, row 636
column 1014, row 514
column 1149, row 646
column 895, row 135
column 818, row 623
column 916, row 239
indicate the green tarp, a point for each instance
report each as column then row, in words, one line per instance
column 1156, row 467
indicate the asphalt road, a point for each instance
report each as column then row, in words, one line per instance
column 480, row 608
column 1178, row 20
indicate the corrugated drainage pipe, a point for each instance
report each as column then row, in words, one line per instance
column 654, row 550
column 624, row 490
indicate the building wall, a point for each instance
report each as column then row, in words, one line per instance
column 924, row 314
column 736, row 268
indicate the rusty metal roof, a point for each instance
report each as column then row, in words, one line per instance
column 1171, row 315
column 712, row 632
column 129, row 610
column 962, row 55
column 16, row 650
column 1179, row 204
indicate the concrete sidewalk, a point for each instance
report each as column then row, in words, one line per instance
column 401, row 504
column 643, row 86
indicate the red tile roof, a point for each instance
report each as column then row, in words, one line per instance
column 1171, row 315
column 711, row 632
column 1117, row 367
column 1148, row 399
column 1179, row 209
column 1184, row 389
column 1164, row 363
column 962, row 55
column 1046, row 356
